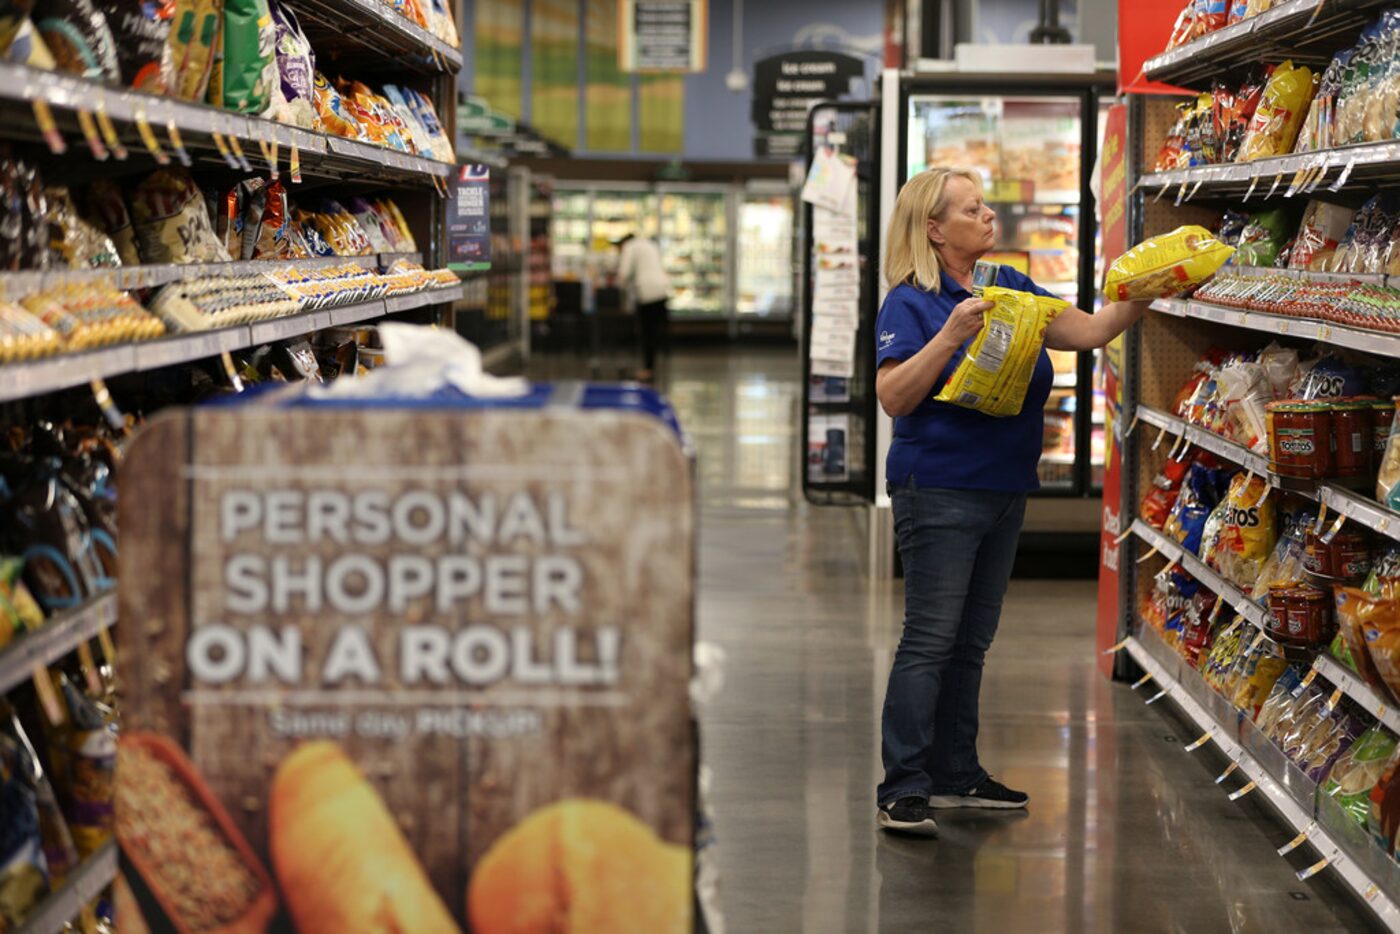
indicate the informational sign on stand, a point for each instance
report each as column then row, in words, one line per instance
column 831, row 190
column 1113, row 222
column 469, row 219
column 408, row 669
column 663, row 36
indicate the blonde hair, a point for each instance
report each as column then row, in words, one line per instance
column 909, row 256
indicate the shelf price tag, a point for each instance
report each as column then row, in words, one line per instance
column 1195, row 188
column 1336, row 527
column 1141, row 681
column 1252, row 185
column 1204, row 738
column 1274, row 187
column 1297, row 183
column 294, row 164
column 1115, row 649
column 177, row 143
column 148, row 138
column 1156, row 697
column 1123, row 537
column 1321, row 517
column 269, row 154
column 1309, row 678
column 1165, row 187
column 43, row 116
column 1154, row 550
column 221, row 144
column 1237, row 795
column 1162, row 433
column 48, row 697
column 231, row 371
column 236, row 148
column 109, row 132
column 1371, row 892
column 1332, row 702
column 1346, row 174
column 94, row 141
column 1306, row 874
column 1229, row 770
column 1181, row 194
column 1297, row 841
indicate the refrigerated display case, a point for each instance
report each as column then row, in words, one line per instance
column 694, row 242
column 539, row 227
column 1034, row 145
column 765, row 275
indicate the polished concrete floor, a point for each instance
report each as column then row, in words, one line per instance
column 1125, row 832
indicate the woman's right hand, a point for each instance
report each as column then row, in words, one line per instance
column 966, row 320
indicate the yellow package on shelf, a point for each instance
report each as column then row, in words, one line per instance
column 1168, row 265
column 994, row 375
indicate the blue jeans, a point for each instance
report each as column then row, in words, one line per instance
column 957, row 547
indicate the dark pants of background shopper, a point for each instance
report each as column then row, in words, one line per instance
column 653, row 318
column 957, row 547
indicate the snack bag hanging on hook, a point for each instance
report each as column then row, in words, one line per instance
column 1167, row 265
column 993, row 376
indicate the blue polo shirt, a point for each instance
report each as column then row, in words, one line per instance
column 944, row 445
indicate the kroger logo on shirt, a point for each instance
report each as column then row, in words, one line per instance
column 886, row 339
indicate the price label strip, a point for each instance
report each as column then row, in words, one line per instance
column 1252, row 185
column 94, row 140
column 1336, row 527
column 1246, row 789
column 1205, row 738
column 1229, row 770
column 1305, row 874
column 1156, row 697
column 177, row 143
column 294, row 164
column 148, row 139
column 43, row 116
column 1346, row 174
column 1308, row 678
column 1297, row 841
column 1297, row 183
column 1332, row 702
column 1141, row 681
column 221, row 144
column 1114, row 649
column 237, row 149
column 1162, row 433
column 1181, row 194
column 1274, row 187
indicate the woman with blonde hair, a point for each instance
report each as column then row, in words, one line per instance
column 958, row 480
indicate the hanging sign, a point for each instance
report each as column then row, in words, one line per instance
column 469, row 219
column 663, row 36
column 785, row 88
column 407, row 670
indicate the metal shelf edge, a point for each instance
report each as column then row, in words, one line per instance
column 1358, row 690
column 55, row 639
column 85, row 884
column 1198, row 569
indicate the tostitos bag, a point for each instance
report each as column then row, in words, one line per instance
column 994, row 375
column 1167, row 265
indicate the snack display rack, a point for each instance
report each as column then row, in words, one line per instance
column 49, row 117
column 1160, row 355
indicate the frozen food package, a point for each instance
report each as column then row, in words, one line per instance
column 105, row 203
column 79, row 37
column 1164, row 266
column 1276, row 123
column 172, row 224
column 249, row 55
column 296, row 68
column 995, row 372
column 1323, row 227
column 141, row 29
column 194, row 43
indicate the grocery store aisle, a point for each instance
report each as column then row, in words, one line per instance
column 1126, row 831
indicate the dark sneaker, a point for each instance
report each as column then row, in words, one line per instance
column 989, row 793
column 909, row 815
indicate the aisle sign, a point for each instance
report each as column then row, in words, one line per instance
column 663, row 36
column 1113, row 220
column 785, row 88
column 469, row 219
column 408, row 669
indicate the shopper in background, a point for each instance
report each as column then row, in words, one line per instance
column 959, row 480
column 640, row 269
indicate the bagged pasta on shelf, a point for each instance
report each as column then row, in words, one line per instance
column 171, row 221
column 1164, row 266
column 1324, row 225
column 993, row 376
column 1279, row 116
column 141, row 30
column 79, row 37
column 74, row 242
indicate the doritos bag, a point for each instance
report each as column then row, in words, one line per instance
column 1167, row 265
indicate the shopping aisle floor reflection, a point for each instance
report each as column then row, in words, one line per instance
column 1126, row 831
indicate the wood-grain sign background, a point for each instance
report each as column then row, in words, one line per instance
column 273, row 563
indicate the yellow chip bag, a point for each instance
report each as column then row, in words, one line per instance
column 994, row 375
column 1167, row 265
column 1274, row 128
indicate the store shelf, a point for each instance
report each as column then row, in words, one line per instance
column 63, row 372
column 1362, row 510
column 321, row 155
column 1358, row 690
column 81, row 887
column 55, row 639
column 1341, row 859
column 1304, row 30
column 367, row 26
column 1210, row 441
column 1339, row 335
column 1197, row 568
column 1362, row 164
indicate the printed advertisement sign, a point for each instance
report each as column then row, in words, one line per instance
column 663, row 36
column 469, row 219
column 411, row 670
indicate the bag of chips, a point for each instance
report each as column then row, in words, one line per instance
column 141, row 29
column 1276, row 123
column 267, row 230
column 74, row 242
column 296, row 69
column 172, row 224
column 1167, row 265
column 335, row 115
column 194, row 44
column 1248, row 536
column 1324, row 225
column 104, row 202
column 249, row 55
column 994, row 374
column 79, row 38
column 1350, row 781
column 1263, row 238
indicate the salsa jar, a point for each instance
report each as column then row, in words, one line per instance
column 1277, row 622
column 1346, row 557
column 1382, row 418
column 1300, row 439
column 1310, row 618
column 1351, row 432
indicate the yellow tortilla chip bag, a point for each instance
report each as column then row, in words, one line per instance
column 1161, row 267
column 994, row 375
